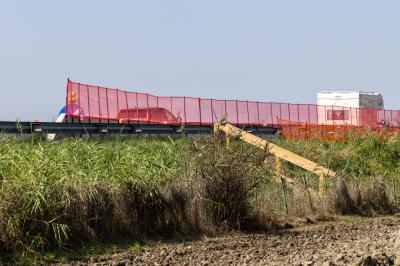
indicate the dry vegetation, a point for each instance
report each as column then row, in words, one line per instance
column 75, row 191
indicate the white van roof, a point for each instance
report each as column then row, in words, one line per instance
column 348, row 95
column 349, row 92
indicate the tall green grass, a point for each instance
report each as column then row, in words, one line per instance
column 369, row 165
column 360, row 157
column 74, row 191
column 45, row 186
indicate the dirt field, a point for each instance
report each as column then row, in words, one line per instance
column 350, row 242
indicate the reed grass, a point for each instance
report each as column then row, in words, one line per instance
column 75, row 191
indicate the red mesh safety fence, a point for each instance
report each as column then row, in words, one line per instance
column 295, row 120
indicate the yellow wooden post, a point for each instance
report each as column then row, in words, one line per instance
column 278, row 165
column 216, row 128
column 228, row 141
column 321, row 191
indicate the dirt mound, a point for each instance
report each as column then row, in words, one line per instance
column 354, row 242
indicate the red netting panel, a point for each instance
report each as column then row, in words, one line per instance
column 347, row 115
column 132, row 112
column 83, row 101
column 303, row 113
column 153, row 112
column 219, row 110
column 264, row 114
column 122, row 101
column 192, row 110
column 178, row 110
column 243, row 113
column 321, row 114
column 312, row 111
column 368, row 117
column 276, row 113
column 395, row 118
column 356, row 120
column 93, row 102
column 329, row 115
column 72, row 100
column 294, row 115
column 68, row 99
column 231, row 111
column 113, row 108
column 298, row 120
column 387, row 117
column 103, row 103
column 253, row 113
column 206, row 111
column 165, row 107
column 284, row 118
column 381, row 117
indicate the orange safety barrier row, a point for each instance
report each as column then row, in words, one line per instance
column 332, row 132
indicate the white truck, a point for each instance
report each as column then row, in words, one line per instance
column 355, row 108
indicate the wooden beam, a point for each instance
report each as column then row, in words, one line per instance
column 280, row 152
column 277, row 150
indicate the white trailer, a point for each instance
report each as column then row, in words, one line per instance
column 356, row 108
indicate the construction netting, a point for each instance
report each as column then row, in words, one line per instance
column 297, row 120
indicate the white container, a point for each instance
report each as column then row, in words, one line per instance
column 349, row 107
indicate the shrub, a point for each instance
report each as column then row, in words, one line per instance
column 224, row 180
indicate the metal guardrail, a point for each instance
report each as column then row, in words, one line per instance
column 12, row 127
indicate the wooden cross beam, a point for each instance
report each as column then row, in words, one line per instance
column 280, row 152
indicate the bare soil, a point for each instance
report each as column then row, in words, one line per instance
column 354, row 241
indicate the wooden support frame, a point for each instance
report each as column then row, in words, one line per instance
column 279, row 152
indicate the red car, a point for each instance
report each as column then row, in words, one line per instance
column 152, row 115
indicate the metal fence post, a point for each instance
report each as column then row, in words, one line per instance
column 79, row 101
column 147, row 106
column 127, row 106
column 88, row 100
column 226, row 112
column 237, row 113
column 137, row 108
column 117, row 106
column 108, row 112
column 248, row 113
column 290, row 122
column 272, row 118
column 66, row 100
column 212, row 112
column 200, row 110
column 98, row 100
column 170, row 104
column 184, row 108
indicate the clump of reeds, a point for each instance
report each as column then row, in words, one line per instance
column 224, row 181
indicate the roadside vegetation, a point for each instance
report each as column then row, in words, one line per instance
column 71, row 193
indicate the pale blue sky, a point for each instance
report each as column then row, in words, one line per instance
column 257, row 50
